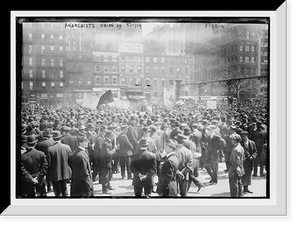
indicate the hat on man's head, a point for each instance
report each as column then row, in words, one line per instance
column 211, row 127
column 143, row 142
column 132, row 117
column 236, row 137
column 187, row 131
column 31, row 140
column 56, row 135
column 244, row 133
column 47, row 132
column 81, row 137
column 172, row 143
column 180, row 138
column 145, row 129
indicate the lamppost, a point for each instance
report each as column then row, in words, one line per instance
column 178, row 84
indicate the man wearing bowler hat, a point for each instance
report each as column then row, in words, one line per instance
column 59, row 169
column 35, row 164
column 81, row 181
column 143, row 167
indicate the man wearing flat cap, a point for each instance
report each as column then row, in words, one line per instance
column 143, row 167
column 236, row 170
column 34, row 168
column 81, row 181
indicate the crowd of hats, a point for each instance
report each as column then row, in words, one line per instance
column 190, row 115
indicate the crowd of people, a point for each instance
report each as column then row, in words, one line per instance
column 64, row 144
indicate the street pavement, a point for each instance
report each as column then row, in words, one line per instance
column 124, row 187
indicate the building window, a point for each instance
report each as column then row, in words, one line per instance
column 52, row 85
column 148, row 82
column 106, row 80
column 155, row 81
column 114, row 68
column 43, row 49
column 30, row 61
column 123, row 68
column 97, row 80
column 105, row 68
column 60, row 37
column 30, row 49
column 30, row 36
column 139, row 69
column 130, row 59
column 61, row 62
column 43, row 62
column 139, row 59
column 147, row 59
column 71, row 82
column 30, row 86
column 246, row 59
column 43, row 73
column 252, row 48
column 52, row 62
column 171, row 82
column 241, row 59
column 162, row 82
column 114, row 80
column 186, row 70
column 247, row 71
column 186, row 80
column 97, row 68
column 80, row 81
column 247, row 49
column 155, row 59
column 115, row 58
column 61, row 74
column 88, row 81
column 147, row 69
column 130, row 68
column 51, row 36
column 247, row 34
column 44, row 85
column 155, row 69
column 163, row 70
column 60, row 49
column 52, row 49
column 123, row 81
column 252, row 59
column 30, row 73
column 123, row 58
column 163, row 60
column 42, row 36
column 241, row 48
column 110, row 58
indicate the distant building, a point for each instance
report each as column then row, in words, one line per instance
column 44, row 73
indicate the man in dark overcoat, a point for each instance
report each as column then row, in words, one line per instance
column 81, row 181
column 107, row 161
column 167, row 185
column 250, row 155
column 34, row 168
column 98, row 148
column 69, row 139
column 125, row 152
column 143, row 167
column 59, row 169
column 132, row 133
column 45, row 141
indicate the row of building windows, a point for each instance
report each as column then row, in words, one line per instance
column 44, row 50
column 45, row 62
column 51, row 73
column 45, row 36
column 43, row 85
column 163, row 60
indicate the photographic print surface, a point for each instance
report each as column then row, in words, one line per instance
column 120, row 107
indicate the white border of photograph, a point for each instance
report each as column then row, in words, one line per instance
column 276, row 205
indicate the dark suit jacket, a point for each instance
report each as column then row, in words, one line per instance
column 125, row 145
column 132, row 135
column 71, row 141
column 106, row 154
column 35, row 163
column 82, row 184
column 250, row 154
column 167, row 185
column 59, row 168
column 43, row 145
column 143, row 162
